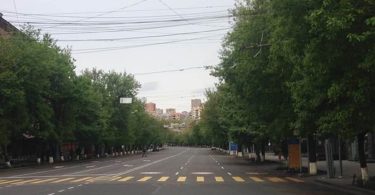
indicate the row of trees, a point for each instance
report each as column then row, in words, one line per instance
column 295, row 68
column 44, row 104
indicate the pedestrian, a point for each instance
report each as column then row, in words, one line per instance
column 144, row 152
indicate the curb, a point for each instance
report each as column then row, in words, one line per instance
column 344, row 188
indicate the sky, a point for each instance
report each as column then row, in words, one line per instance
column 165, row 44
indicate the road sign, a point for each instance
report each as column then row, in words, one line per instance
column 233, row 147
column 125, row 100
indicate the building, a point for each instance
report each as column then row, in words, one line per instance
column 196, row 103
column 159, row 112
column 6, row 28
column 170, row 111
column 196, row 109
column 150, row 108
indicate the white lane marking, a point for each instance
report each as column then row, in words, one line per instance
column 229, row 173
column 255, row 173
column 146, row 160
column 149, row 164
column 177, row 173
column 58, row 167
column 126, row 165
column 80, row 185
column 91, row 166
column 222, row 167
column 150, row 173
column 202, row 173
column 88, row 170
column 61, row 191
column 51, row 194
column 70, row 188
column 181, row 168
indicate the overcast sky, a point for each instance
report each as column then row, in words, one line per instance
column 141, row 37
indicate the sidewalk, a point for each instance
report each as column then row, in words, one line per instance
column 345, row 182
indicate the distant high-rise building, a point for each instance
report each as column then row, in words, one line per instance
column 196, row 103
column 150, row 107
column 170, row 111
column 196, row 109
column 159, row 111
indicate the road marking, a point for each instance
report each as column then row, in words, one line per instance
column 61, row 180
column 149, row 164
column 81, row 179
column 181, row 179
column 146, row 160
column 126, row 165
column 144, row 179
column 70, row 188
column 80, row 185
column 238, row 179
column 219, row 179
column 163, row 179
column 114, row 178
column 58, row 167
column 200, row 179
column 275, row 179
column 177, row 173
column 202, row 173
column 150, row 173
column 229, row 173
column 25, row 181
column 294, row 179
column 222, row 167
column 11, row 181
column 51, row 194
column 126, row 178
column 181, row 168
column 90, row 166
column 256, row 179
column 61, row 191
column 255, row 173
column 44, row 180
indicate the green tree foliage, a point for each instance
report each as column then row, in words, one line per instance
column 300, row 66
column 43, row 102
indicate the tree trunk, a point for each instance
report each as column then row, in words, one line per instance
column 313, row 170
column 362, row 157
column 257, row 153
column 263, row 151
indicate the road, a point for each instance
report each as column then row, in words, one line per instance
column 175, row 170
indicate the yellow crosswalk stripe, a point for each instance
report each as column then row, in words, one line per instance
column 294, row 179
column 126, row 178
column 200, row 179
column 238, row 179
column 181, row 179
column 219, row 179
column 43, row 180
column 115, row 178
column 256, row 179
column 9, row 181
column 144, row 179
column 81, row 179
column 163, row 179
column 25, row 181
column 276, row 179
column 62, row 180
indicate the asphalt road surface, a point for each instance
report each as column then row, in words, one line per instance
column 173, row 171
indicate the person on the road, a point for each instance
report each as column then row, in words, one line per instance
column 144, row 152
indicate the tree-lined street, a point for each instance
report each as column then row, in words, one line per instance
column 175, row 170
